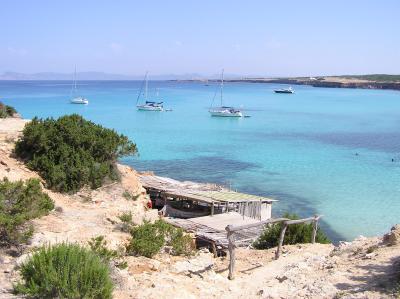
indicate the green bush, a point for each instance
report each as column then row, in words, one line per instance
column 181, row 243
column 6, row 111
column 295, row 233
column 65, row 271
column 19, row 203
column 71, row 152
column 148, row 239
column 126, row 219
column 128, row 196
column 99, row 246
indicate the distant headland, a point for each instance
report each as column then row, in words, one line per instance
column 373, row 81
column 376, row 81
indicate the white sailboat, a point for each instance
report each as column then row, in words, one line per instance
column 148, row 105
column 224, row 111
column 75, row 98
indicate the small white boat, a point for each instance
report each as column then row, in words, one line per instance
column 284, row 90
column 148, row 105
column 224, row 111
column 74, row 98
column 80, row 100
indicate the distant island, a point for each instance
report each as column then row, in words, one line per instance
column 374, row 81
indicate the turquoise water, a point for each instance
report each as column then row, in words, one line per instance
column 321, row 150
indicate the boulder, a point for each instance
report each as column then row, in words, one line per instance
column 393, row 237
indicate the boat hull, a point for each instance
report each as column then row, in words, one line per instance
column 81, row 101
column 169, row 211
column 226, row 114
column 283, row 91
column 149, row 108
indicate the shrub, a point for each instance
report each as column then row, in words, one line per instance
column 128, row 196
column 181, row 243
column 295, row 233
column 19, row 203
column 71, row 152
column 126, row 219
column 6, row 111
column 99, row 246
column 148, row 239
column 65, row 271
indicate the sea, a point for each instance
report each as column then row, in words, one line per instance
column 328, row 151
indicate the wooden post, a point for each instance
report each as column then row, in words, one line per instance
column 315, row 228
column 231, row 248
column 214, row 249
column 281, row 237
column 212, row 209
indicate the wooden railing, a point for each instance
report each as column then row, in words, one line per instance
column 286, row 222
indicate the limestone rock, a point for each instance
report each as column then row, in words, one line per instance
column 393, row 237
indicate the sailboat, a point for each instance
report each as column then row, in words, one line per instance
column 75, row 98
column 224, row 111
column 148, row 105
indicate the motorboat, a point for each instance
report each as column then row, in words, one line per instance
column 284, row 90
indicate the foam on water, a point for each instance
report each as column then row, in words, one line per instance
column 320, row 150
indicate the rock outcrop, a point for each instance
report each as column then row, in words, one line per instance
column 393, row 237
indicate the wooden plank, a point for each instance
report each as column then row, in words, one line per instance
column 261, row 223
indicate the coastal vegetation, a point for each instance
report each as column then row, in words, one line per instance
column 65, row 271
column 98, row 245
column 6, row 111
column 20, row 202
column 295, row 234
column 374, row 77
column 149, row 238
column 126, row 221
column 71, row 152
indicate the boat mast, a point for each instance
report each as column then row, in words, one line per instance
column 222, row 85
column 75, row 79
column 145, row 89
column 73, row 89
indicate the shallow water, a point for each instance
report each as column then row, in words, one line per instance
column 320, row 150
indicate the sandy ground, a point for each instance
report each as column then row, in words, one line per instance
column 365, row 268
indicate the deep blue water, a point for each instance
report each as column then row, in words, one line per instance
column 320, row 150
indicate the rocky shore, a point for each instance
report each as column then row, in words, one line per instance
column 364, row 268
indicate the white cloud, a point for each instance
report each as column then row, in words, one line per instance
column 273, row 44
column 178, row 43
column 17, row 51
column 237, row 47
column 116, row 47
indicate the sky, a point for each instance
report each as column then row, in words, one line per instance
column 250, row 38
